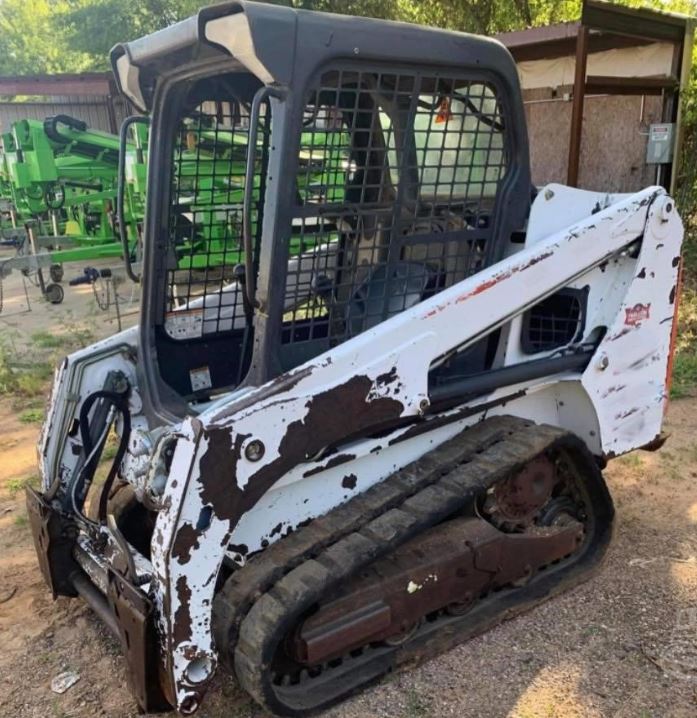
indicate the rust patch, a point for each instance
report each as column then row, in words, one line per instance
column 489, row 283
column 185, row 542
column 219, row 468
column 181, row 630
column 349, row 481
column 334, row 461
column 387, row 378
column 282, row 383
column 328, row 415
column 536, row 260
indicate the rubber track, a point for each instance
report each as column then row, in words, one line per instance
column 247, row 584
column 271, row 593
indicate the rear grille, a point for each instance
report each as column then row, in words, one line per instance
column 554, row 322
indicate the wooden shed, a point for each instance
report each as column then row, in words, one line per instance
column 599, row 90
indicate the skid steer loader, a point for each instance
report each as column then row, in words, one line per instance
column 378, row 427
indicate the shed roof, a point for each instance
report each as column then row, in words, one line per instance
column 612, row 26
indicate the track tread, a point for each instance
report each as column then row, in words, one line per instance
column 244, row 586
column 276, row 587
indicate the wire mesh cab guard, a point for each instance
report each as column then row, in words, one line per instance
column 397, row 179
column 205, row 329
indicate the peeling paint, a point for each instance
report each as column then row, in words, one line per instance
column 334, row 461
column 182, row 616
column 185, row 542
column 349, row 481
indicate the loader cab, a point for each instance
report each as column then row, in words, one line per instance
column 304, row 189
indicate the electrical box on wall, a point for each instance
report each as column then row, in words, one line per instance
column 659, row 149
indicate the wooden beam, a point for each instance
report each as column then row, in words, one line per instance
column 685, row 71
column 632, row 21
column 597, row 42
column 602, row 85
column 577, row 107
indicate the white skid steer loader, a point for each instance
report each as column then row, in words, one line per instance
column 377, row 373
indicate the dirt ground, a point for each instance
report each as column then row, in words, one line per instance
column 623, row 644
column 23, row 312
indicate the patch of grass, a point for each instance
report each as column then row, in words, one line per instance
column 685, row 362
column 15, row 486
column 33, row 380
column 81, row 337
column 8, row 379
column 31, row 416
column 77, row 334
column 71, row 335
column 632, row 460
column 22, row 373
column 46, row 340
column 684, row 375
column 26, row 372
column 21, row 520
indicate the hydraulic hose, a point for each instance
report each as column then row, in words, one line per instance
column 120, row 403
column 51, row 127
column 84, row 147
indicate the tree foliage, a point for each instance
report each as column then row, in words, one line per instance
column 31, row 41
column 73, row 35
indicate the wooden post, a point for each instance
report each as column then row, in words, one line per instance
column 577, row 106
column 671, row 181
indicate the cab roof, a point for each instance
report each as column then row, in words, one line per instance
column 282, row 45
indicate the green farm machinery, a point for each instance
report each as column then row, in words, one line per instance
column 72, row 194
column 59, row 184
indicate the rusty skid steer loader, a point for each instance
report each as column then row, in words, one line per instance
column 374, row 424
